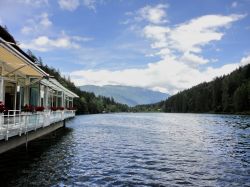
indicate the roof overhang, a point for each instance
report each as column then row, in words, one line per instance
column 16, row 61
column 54, row 84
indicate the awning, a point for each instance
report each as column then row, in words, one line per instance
column 50, row 84
column 16, row 62
column 65, row 90
column 54, row 84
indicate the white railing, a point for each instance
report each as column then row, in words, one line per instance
column 16, row 122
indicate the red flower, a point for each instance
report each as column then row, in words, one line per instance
column 39, row 108
column 60, row 108
column 28, row 108
column 53, row 108
column 2, row 107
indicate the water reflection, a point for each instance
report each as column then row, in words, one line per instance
column 21, row 167
column 137, row 149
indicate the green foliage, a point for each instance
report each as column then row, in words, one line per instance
column 227, row 94
column 157, row 107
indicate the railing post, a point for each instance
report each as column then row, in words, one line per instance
column 20, row 123
column 49, row 117
column 14, row 116
column 35, row 115
column 1, row 87
column 44, row 119
column 25, row 122
column 1, row 121
column 7, row 127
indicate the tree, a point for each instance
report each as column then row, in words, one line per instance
column 240, row 98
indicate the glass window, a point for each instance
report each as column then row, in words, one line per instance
column 34, row 93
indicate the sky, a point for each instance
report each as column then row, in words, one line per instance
column 165, row 45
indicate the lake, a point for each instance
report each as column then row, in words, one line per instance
column 151, row 149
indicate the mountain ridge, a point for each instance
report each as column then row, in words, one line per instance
column 129, row 95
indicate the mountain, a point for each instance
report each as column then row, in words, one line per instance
column 126, row 94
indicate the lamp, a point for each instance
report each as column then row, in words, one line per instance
column 18, row 88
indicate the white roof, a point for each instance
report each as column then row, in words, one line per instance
column 17, row 61
column 54, row 84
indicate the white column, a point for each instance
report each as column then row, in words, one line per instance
column 52, row 98
column 20, row 98
column 56, row 98
column 1, row 89
column 46, row 96
column 15, row 96
column 63, row 105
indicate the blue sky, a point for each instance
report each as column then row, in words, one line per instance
column 161, row 45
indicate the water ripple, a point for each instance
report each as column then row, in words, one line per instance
column 136, row 150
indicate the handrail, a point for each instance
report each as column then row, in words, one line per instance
column 20, row 123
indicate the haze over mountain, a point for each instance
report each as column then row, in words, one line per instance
column 127, row 94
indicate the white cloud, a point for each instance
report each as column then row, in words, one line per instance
column 234, row 4
column 193, row 59
column 91, row 4
column 185, row 41
column 244, row 61
column 153, row 14
column 26, row 30
column 37, row 24
column 167, row 75
column 70, row 5
column 180, row 49
column 193, row 35
column 44, row 43
column 158, row 34
column 81, row 39
column 44, row 20
column 37, row 3
column 190, row 36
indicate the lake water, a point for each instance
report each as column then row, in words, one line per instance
column 136, row 150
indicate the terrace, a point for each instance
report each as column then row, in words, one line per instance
column 30, row 98
column 16, row 123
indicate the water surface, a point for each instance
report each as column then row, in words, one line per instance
column 136, row 150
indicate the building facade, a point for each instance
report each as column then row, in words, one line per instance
column 31, row 98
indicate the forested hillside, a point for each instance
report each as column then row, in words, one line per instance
column 225, row 94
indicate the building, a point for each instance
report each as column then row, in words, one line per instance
column 34, row 99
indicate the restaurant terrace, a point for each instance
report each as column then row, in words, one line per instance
column 30, row 99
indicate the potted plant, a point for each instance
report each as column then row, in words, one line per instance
column 2, row 107
column 53, row 108
column 2, row 110
column 39, row 108
column 71, row 108
column 60, row 108
column 28, row 108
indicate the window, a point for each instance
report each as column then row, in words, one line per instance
column 34, row 93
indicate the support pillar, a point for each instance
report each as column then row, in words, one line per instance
column 1, row 89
